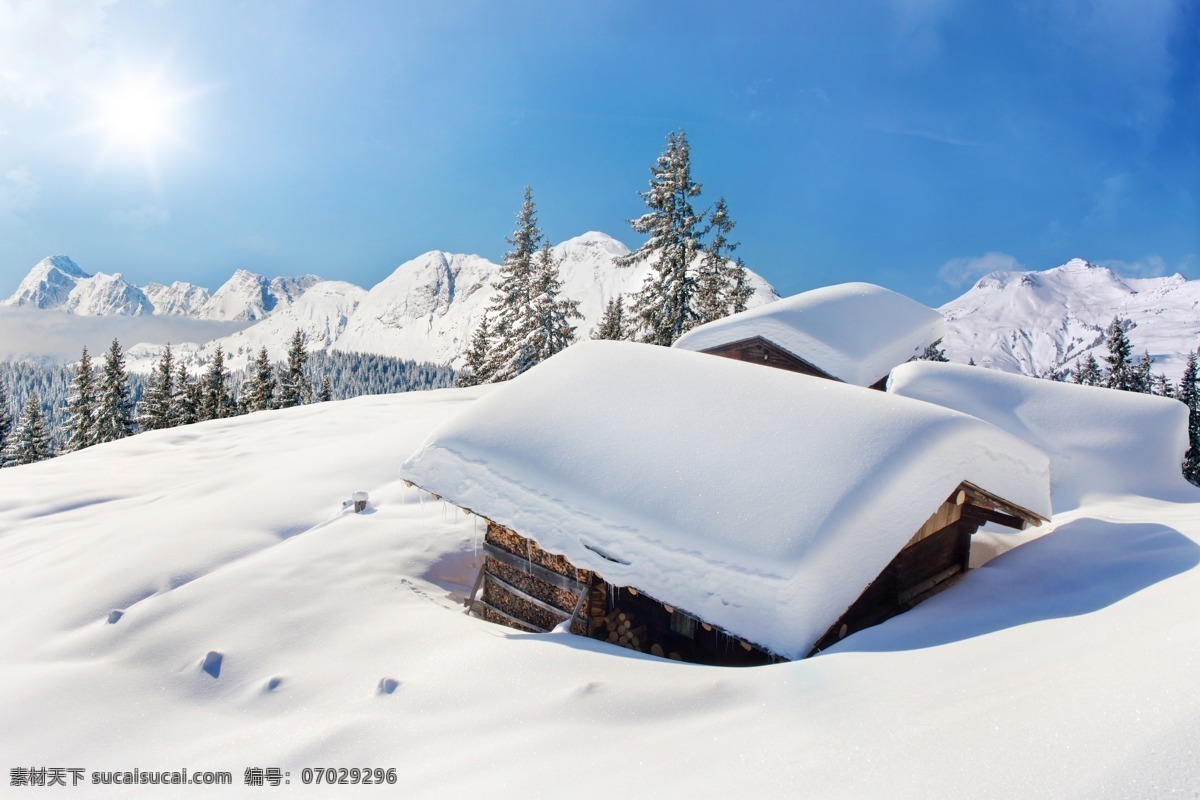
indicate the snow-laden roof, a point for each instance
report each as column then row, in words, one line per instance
column 1099, row 441
column 856, row 332
column 760, row 500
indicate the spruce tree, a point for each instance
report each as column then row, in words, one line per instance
column 156, row 410
column 185, row 401
column 1120, row 366
column 546, row 329
column 1162, row 386
column 294, row 387
column 1143, row 377
column 476, row 368
column 1088, row 372
column 326, row 392
column 933, row 352
column 721, row 287
column 6, row 423
column 216, row 401
column 510, row 308
column 81, row 407
column 614, row 324
column 258, row 390
column 1189, row 395
column 114, row 409
column 29, row 443
column 664, row 307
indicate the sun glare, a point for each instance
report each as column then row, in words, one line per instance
column 138, row 115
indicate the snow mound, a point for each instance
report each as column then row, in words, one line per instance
column 1100, row 441
column 856, row 332
column 625, row 458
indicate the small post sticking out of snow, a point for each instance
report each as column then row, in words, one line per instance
column 359, row 499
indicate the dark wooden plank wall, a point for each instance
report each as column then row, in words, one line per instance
column 763, row 351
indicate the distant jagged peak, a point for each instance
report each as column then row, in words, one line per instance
column 593, row 240
column 63, row 264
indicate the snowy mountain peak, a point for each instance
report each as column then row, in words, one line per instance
column 58, row 283
column 591, row 241
column 250, row 296
column 48, row 284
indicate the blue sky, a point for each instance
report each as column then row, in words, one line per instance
column 912, row 144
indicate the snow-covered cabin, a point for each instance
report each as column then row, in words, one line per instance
column 618, row 479
column 852, row 332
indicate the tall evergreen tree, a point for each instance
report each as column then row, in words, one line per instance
column 258, row 390
column 6, row 423
column 29, row 443
column 477, row 367
column 185, row 401
column 216, row 401
column 156, row 409
column 546, row 328
column 1087, row 372
column 615, row 324
column 114, row 409
column 1162, row 386
column 294, row 387
column 1189, row 395
column 721, row 287
column 511, row 306
column 664, row 306
column 1143, row 377
column 326, row 392
column 81, row 407
column 1119, row 359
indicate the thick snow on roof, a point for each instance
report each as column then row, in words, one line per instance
column 759, row 500
column 856, row 332
column 1100, row 441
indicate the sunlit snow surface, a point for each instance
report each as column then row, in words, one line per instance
column 1064, row 668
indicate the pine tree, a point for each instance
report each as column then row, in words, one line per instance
column 1189, row 395
column 114, row 409
column 6, row 423
column 1162, row 386
column 614, row 324
column 476, row 368
column 510, row 308
column 216, row 401
column 933, row 352
column 156, row 410
column 326, row 393
column 664, row 307
column 185, row 401
column 294, row 387
column 721, row 287
column 1120, row 366
column 29, row 443
column 546, row 329
column 1143, row 378
column 81, row 407
column 258, row 390
column 1088, row 372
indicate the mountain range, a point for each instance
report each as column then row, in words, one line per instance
column 1030, row 322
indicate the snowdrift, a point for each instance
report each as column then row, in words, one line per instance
column 1099, row 441
column 759, row 500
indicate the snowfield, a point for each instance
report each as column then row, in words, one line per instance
column 198, row 597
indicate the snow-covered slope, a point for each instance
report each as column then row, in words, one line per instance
column 247, row 296
column 1036, row 322
column 1065, row 668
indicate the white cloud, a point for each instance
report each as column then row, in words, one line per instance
column 19, row 191
column 958, row 271
column 46, row 46
column 141, row 218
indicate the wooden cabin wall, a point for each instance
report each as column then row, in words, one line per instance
column 762, row 351
column 510, row 609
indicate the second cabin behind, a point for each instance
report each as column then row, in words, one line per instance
column 853, row 332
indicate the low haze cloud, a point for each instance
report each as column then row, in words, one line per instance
column 57, row 336
column 958, row 271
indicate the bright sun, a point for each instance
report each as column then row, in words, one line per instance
column 138, row 115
